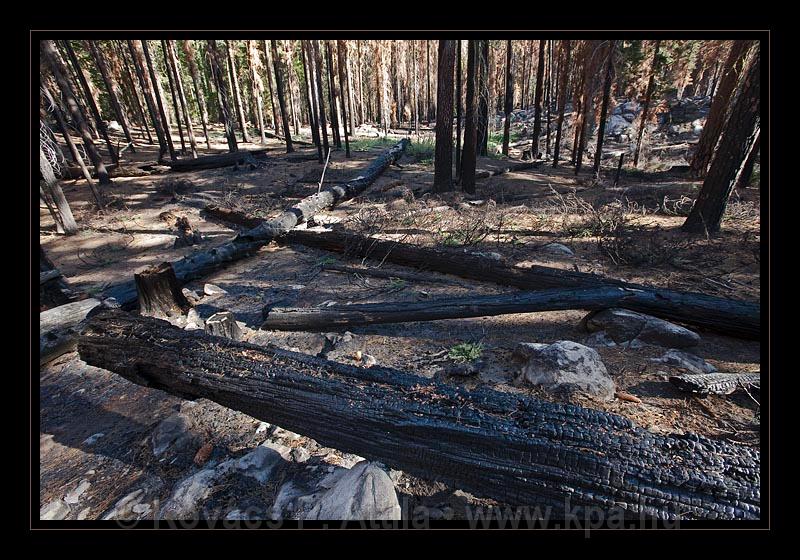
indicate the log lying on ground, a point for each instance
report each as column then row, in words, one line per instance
column 215, row 161
column 506, row 167
column 202, row 263
column 716, row 383
column 57, row 334
column 726, row 316
column 513, row 448
column 345, row 316
column 390, row 274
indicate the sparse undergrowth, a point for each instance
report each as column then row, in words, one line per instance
column 465, row 352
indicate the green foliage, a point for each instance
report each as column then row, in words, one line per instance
column 422, row 151
column 366, row 144
column 465, row 352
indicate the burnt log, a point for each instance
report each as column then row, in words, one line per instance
column 216, row 161
column 512, row 448
column 57, row 328
column 160, row 294
column 345, row 316
column 716, row 383
column 247, row 243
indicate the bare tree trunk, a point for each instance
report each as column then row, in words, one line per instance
column 271, row 65
column 739, row 139
column 509, row 101
column 458, row 110
column 537, row 103
column 344, row 97
column 549, row 99
column 113, row 91
column 710, row 137
column 278, row 63
column 222, row 90
column 428, row 112
column 237, row 96
column 344, row 63
column 468, row 158
column 64, row 212
column 173, row 93
column 320, row 95
column 332, row 95
column 256, row 87
column 174, row 66
column 48, row 49
column 443, row 159
column 159, row 101
column 312, row 101
column 562, row 98
column 139, row 65
column 482, row 125
column 646, row 107
column 132, row 91
column 198, row 91
column 601, row 131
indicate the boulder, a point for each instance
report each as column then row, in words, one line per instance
column 261, row 462
column 684, row 360
column 622, row 325
column 363, row 492
column 564, row 366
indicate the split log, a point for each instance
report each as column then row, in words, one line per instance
column 248, row 242
column 223, row 324
column 726, row 316
column 57, row 328
column 716, row 383
column 160, row 294
column 346, row 316
column 513, row 448
column 215, row 161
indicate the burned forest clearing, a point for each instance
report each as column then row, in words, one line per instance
column 382, row 323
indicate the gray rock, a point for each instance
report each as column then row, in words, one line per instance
column 173, row 434
column 300, row 454
column 684, row 360
column 124, row 507
column 212, row 289
column 363, row 492
column 285, row 434
column 622, row 325
column 92, row 439
column 55, row 510
column 558, row 249
column 186, row 497
column 75, row 495
column 262, row 461
column 564, row 366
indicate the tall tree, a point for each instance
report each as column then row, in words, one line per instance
column 458, row 111
column 739, row 139
column 59, row 72
column 346, row 106
column 308, row 74
column 537, row 103
column 416, row 88
column 601, row 131
column 198, row 91
column 175, row 67
column 64, row 211
column 270, row 80
column 215, row 60
column 428, row 111
column 237, row 95
column 562, row 97
column 320, row 95
column 132, row 90
column 509, row 101
column 549, row 99
column 344, row 66
column 710, row 137
column 332, row 95
column 139, row 65
column 469, row 153
column 443, row 158
column 483, row 98
column 646, row 107
column 112, row 90
column 100, row 124
column 159, row 100
column 278, row 64
column 256, row 86
column 173, row 93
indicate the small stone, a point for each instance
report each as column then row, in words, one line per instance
column 193, row 297
column 285, row 434
column 261, row 462
column 623, row 325
column 684, row 360
column 75, row 496
column 300, row 455
column 92, row 439
column 363, row 492
column 262, row 427
column 558, row 249
column 369, row 361
column 172, row 434
column 211, row 289
column 55, row 510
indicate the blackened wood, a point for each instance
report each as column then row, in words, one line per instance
column 57, row 328
column 215, row 161
column 160, row 292
column 509, row 447
column 223, row 324
column 716, row 383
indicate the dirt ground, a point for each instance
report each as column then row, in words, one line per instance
column 630, row 232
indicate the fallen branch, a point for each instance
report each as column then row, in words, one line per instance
column 716, row 383
column 512, row 448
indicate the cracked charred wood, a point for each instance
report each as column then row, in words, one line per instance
column 160, row 294
column 343, row 316
column 726, row 316
column 390, row 274
column 513, row 448
column 716, row 383
column 247, row 243
column 217, row 160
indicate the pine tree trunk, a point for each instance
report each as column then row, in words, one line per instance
column 549, row 99
column 710, row 137
column 346, row 106
column 113, row 91
column 311, row 97
column 64, row 211
column 646, row 107
column 133, row 91
column 469, row 153
column 278, row 64
column 237, row 96
column 159, row 101
column 739, row 138
column 344, row 62
column 483, row 99
column 509, row 100
column 173, row 93
column 320, row 95
column 601, row 131
column 458, row 110
column 428, row 112
column 562, row 98
column 537, row 103
column 198, row 91
column 222, row 93
column 270, row 78
column 256, row 87
column 175, row 67
column 139, row 65
column 332, row 95
column 48, row 49
column 443, row 159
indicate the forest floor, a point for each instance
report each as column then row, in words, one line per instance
column 629, row 232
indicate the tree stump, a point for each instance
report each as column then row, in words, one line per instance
column 160, row 293
column 223, row 324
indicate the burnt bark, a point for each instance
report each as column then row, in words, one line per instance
column 469, row 155
column 159, row 292
column 537, row 103
column 562, row 99
column 278, row 65
column 159, row 101
column 509, row 98
column 237, row 94
column 443, row 158
column 112, row 89
column 216, row 64
column 646, row 106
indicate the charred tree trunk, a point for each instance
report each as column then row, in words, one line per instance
column 705, row 384
column 458, row 110
column 256, row 87
column 159, row 293
column 237, row 95
column 738, row 141
column 133, row 92
column 601, row 131
column 159, row 101
column 515, row 449
column 346, row 106
column 271, row 65
column 320, row 96
column 48, row 49
column 469, row 155
column 174, row 66
column 198, row 91
column 332, row 95
column 312, row 101
column 443, row 158
column 215, row 60
column 64, row 211
column 113, row 91
column 278, row 64
column 139, row 66
column 482, row 89
column 509, row 100
column 562, row 99
column 537, row 103
column 646, row 108
column 216, row 161
column 173, row 93
column 549, row 99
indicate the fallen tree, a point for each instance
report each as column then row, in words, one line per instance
column 513, row 448
column 716, row 383
column 201, row 263
column 344, row 316
column 57, row 328
column 216, row 160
